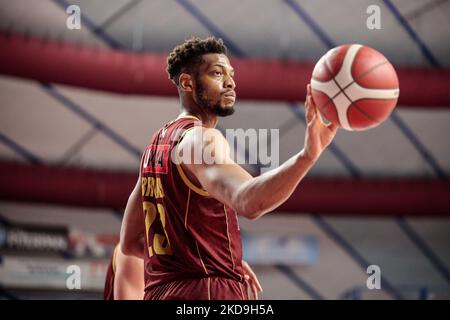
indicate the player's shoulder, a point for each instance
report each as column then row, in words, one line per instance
column 202, row 135
column 209, row 143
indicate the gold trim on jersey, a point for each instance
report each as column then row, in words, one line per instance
column 228, row 236
column 242, row 292
column 184, row 133
column 209, row 288
column 187, row 209
column 189, row 184
column 188, row 117
column 184, row 177
column 113, row 263
column 201, row 260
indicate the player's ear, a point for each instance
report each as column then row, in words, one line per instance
column 186, row 83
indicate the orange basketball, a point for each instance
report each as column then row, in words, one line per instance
column 355, row 87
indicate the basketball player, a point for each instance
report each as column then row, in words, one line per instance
column 186, row 210
column 125, row 278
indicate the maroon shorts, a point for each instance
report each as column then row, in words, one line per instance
column 212, row 288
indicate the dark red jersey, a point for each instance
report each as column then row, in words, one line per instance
column 189, row 234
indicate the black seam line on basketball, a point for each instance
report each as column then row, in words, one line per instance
column 355, row 80
column 356, row 106
column 360, row 76
column 330, row 75
column 330, row 100
column 354, row 102
column 366, row 73
column 327, row 68
column 325, row 107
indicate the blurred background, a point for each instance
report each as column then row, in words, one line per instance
column 78, row 106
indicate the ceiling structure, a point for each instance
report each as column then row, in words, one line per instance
column 84, row 145
column 65, row 125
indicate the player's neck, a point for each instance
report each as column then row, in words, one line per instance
column 190, row 108
column 208, row 120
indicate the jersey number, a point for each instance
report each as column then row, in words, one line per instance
column 160, row 243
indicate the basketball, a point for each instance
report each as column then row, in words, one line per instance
column 354, row 87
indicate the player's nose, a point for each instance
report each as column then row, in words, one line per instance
column 229, row 83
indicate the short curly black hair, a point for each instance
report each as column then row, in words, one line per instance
column 187, row 56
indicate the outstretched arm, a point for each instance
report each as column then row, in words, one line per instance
column 250, row 196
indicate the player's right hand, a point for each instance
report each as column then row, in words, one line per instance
column 251, row 280
column 318, row 135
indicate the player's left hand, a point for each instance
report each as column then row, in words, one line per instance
column 318, row 135
column 251, row 280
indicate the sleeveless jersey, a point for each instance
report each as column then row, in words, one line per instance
column 189, row 234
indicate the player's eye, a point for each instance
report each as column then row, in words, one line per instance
column 218, row 73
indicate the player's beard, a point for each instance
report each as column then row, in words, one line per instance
column 209, row 104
